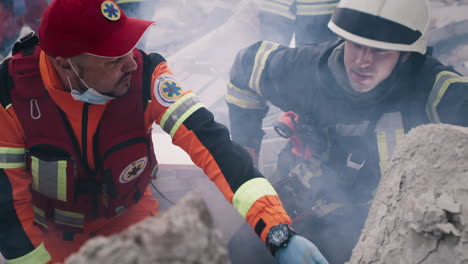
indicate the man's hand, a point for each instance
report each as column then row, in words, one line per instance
column 253, row 153
column 300, row 251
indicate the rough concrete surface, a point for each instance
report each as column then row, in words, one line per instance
column 183, row 234
column 420, row 212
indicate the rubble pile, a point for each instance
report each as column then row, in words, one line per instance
column 420, row 212
column 183, row 234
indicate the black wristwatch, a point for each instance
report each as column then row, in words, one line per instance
column 278, row 237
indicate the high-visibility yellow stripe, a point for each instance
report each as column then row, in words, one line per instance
column 35, row 173
column 383, row 151
column 315, row 7
column 188, row 102
column 260, row 58
column 11, row 158
column 399, row 134
column 249, row 192
column 443, row 80
column 69, row 214
column 315, row 13
column 40, row 255
column 62, row 180
column 278, row 9
column 304, row 10
column 39, row 216
column 242, row 103
column 10, row 165
column 244, row 98
column 173, row 107
column 5, row 150
column 39, row 211
column 441, row 94
column 69, row 218
column 184, row 117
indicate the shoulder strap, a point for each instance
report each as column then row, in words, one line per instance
column 150, row 62
column 6, row 83
column 26, row 43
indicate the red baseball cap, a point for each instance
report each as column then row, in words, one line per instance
column 97, row 27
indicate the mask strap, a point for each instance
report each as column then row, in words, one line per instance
column 74, row 70
column 69, row 83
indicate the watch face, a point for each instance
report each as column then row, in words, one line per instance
column 278, row 234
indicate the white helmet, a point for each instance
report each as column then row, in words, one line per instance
column 385, row 24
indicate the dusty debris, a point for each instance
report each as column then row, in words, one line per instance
column 183, row 234
column 420, row 212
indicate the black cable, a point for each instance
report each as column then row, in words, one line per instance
column 162, row 195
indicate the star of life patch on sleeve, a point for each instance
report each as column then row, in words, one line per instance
column 167, row 89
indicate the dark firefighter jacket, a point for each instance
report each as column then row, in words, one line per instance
column 358, row 131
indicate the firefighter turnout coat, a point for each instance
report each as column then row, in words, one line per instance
column 358, row 131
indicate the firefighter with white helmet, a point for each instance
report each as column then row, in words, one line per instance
column 391, row 25
column 358, row 96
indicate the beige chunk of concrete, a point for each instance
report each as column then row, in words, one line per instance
column 420, row 212
column 183, row 234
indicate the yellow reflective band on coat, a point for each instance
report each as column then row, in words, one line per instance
column 389, row 131
column 260, row 59
column 39, row 216
column 69, row 218
column 244, row 98
column 179, row 112
column 39, row 255
column 325, row 8
column 383, row 151
column 12, row 158
column 443, row 80
column 250, row 192
column 50, row 178
column 278, row 7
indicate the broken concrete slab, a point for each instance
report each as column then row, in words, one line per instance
column 420, row 212
column 183, row 234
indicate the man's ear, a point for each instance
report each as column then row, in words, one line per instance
column 61, row 63
column 405, row 56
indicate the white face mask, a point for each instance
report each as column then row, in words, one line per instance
column 90, row 96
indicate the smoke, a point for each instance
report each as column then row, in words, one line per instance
column 449, row 34
column 200, row 40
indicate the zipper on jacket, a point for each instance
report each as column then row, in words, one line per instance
column 124, row 144
column 84, row 132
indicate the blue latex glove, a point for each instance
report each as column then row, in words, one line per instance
column 300, row 251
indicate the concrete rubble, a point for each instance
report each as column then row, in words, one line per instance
column 420, row 212
column 183, row 234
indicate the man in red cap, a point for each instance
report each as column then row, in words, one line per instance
column 76, row 154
